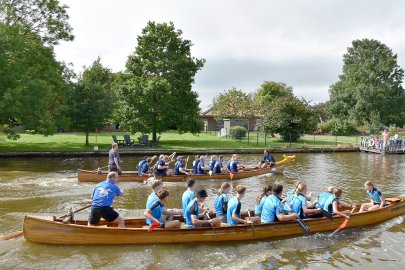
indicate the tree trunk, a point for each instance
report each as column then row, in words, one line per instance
column 87, row 137
column 154, row 136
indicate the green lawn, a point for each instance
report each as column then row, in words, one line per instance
column 169, row 140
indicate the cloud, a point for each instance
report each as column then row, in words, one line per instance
column 300, row 43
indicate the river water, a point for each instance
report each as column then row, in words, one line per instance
column 44, row 186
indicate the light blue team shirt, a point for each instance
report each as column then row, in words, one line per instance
column 104, row 193
column 329, row 204
column 259, row 207
column 191, row 209
column 234, row 207
column 151, row 199
column 221, row 204
column 187, row 197
column 271, row 208
column 322, row 197
column 297, row 204
column 375, row 195
column 157, row 209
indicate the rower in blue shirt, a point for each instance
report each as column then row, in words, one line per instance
column 221, row 201
column 299, row 204
column 201, row 169
column 228, row 165
column 331, row 204
column 233, row 214
column 155, row 212
column 234, row 168
column 376, row 197
column 140, row 164
column 156, row 186
column 212, row 163
column 268, row 160
column 102, row 198
column 273, row 209
column 219, row 167
column 323, row 196
column 193, row 216
column 188, row 195
column 145, row 167
column 267, row 191
column 195, row 164
column 180, row 167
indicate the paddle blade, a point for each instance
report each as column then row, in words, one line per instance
column 342, row 226
column 327, row 215
column 153, row 226
column 12, row 235
column 231, row 175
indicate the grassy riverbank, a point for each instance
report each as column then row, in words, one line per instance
column 170, row 140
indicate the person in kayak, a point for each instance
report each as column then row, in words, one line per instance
column 376, row 197
column 194, row 218
column 155, row 212
column 267, row 191
column 102, row 198
column 221, row 201
column 273, row 208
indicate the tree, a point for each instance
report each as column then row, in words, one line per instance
column 32, row 83
column 233, row 104
column 91, row 100
column 290, row 117
column 270, row 90
column 369, row 85
column 156, row 89
column 47, row 18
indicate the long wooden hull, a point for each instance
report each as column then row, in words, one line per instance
column 46, row 231
column 132, row 176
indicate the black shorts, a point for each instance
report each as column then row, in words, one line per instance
column 105, row 212
column 113, row 168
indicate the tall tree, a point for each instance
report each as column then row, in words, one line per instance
column 91, row 101
column 47, row 18
column 290, row 117
column 233, row 104
column 32, row 83
column 369, row 85
column 270, row 90
column 156, row 91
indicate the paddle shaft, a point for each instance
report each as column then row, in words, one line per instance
column 74, row 212
column 251, row 224
column 344, row 223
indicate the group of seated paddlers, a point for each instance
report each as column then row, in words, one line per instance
column 216, row 165
column 270, row 205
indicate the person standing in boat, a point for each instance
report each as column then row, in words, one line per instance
column 221, row 201
column 268, row 160
column 114, row 159
column 376, row 197
column 331, row 204
column 219, row 167
column 267, row 191
column 193, row 216
column 155, row 212
column 233, row 214
column 180, row 167
column 189, row 194
column 273, row 208
column 102, row 198
column 201, row 168
column 299, row 204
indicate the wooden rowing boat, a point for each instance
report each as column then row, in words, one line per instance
column 47, row 231
column 132, row 176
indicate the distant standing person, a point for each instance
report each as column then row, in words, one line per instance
column 102, row 199
column 114, row 160
column 386, row 137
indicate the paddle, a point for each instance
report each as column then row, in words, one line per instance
column 212, row 225
column 17, row 234
column 231, row 175
column 343, row 225
column 325, row 213
column 251, row 224
column 303, row 227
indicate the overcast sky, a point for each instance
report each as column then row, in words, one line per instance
column 300, row 42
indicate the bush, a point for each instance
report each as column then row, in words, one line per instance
column 323, row 128
column 341, row 127
column 238, row 132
